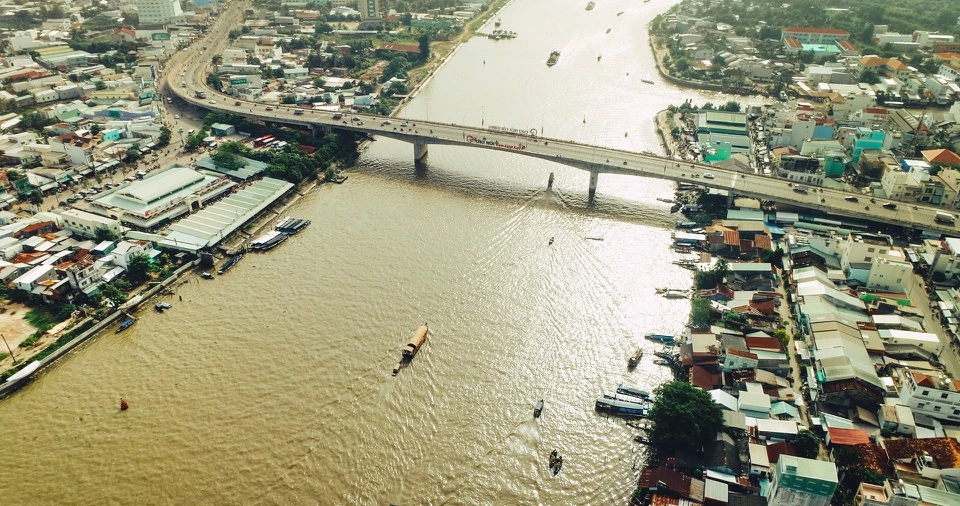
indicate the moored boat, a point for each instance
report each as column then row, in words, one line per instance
column 162, row 306
column 635, row 358
column 538, row 409
column 646, row 81
column 676, row 294
column 635, row 392
column 268, row 241
column 663, row 338
column 230, row 263
column 206, row 275
column 25, row 372
column 291, row 226
column 126, row 323
column 591, row 5
column 620, row 407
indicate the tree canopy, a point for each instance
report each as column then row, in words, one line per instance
column 807, row 444
column 684, row 418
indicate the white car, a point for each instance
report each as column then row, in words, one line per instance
column 213, row 101
column 708, row 175
column 176, row 116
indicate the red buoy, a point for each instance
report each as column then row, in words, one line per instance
column 123, row 405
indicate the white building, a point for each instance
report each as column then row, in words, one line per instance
column 889, row 275
column 934, row 396
column 33, row 278
column 159, row 12
column 86, row 224
column 127, row 250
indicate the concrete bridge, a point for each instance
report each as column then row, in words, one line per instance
column 190, row 68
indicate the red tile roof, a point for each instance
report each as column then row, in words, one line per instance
column 846, row 45
column 741, row 353
column 767, row 307
column 674, row 481
column 702, row 377
column 763, row 343
column 825, row 31
column 775, row 450
column 793, row 42
column 945, row 450
column 762, row 241
column 731, row 238
column 944, row 156
column 875, row 110
column 405, row 48
column 848, row 437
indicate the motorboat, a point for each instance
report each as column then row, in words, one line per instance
column 291, row 226
column 635, row 358
column 621, row 407
column 663, row 338
column 416, row 341
column 552, row 60
column 206, row 275
column 634, row 392
column 538, row 409
column 25, row 372
column 126, row 323
column 162, row 306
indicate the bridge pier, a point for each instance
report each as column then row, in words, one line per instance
column 419, row 151
column 594, row 177
column 730, row 197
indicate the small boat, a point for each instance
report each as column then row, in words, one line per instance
column 646, row 81
column 599, row 56
column 663, row 362
column 591, row 5
column 206, row 275
column 416, row 342
column 620, row 13
column 162, row 306
column 593, row 238
column 538, row 408
column 232, row 261
column 608, row 30
column 25, row 372
column 396, row 368
column 667, row 201
column 550, row 242
column 558, row 465
column 556, row 461
column 552, row 60
column 126, row 323
column 663, row 338
column 635, row 358
column 123, row 405
column 676, row 294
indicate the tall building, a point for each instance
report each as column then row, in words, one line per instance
column 802, row 482
column 371, row 12
column 158, row 12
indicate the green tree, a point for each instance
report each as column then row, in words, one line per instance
column 424, row 41
column 112, row 294
column 165, row 135
column 34, row 197
column 782, row 337
column 869, row 77
column 684, row 418
column 731, row 106
column 845, row 456
column 227, row 161
column 138, row 269
column 700, row 312
column 807, row 444
column 105, row 234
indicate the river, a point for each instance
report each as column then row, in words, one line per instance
column 271, row 384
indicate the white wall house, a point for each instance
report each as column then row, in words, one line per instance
column 86, row 224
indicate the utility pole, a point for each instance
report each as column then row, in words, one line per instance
column 8, row 349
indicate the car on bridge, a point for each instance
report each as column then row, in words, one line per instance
column 708, row 175
column 800, row 189
column 890, row 205
column 851, row 198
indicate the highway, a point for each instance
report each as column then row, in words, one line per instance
column 192, row 65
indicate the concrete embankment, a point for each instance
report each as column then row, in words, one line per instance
column 132, row 305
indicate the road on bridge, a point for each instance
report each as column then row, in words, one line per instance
column 190, row 67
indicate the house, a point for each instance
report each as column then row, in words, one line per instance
column 923, row 461
column 759, row 461
column 667, row 486
column 127, row 250
column 35, row 278
column 739, row 359
column 802, row 482
column 86, row 224
column 936, row 396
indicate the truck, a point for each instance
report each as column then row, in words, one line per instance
column 945, row 218
column 200, row 94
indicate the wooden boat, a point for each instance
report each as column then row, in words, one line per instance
column 635, row 358
column 663, row 362
column 162, row 306
column 416, row 341
column 25, row 372
column 538, row 409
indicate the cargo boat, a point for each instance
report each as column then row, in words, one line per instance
column 620, row 406
column 269, row 240
column 416, row 341
column 635, row 358
column 552, row 60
